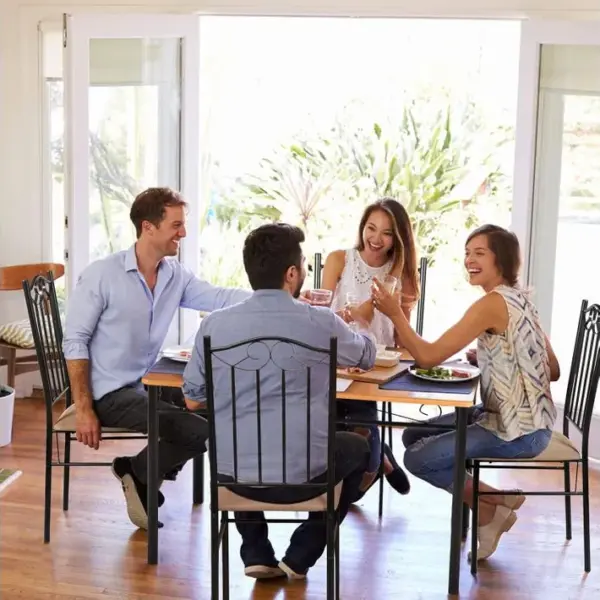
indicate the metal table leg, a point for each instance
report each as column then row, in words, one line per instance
column 152, row 475
column 457, row 500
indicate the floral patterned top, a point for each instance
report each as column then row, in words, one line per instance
column 515, row 372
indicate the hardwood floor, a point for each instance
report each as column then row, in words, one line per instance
column 95, row 552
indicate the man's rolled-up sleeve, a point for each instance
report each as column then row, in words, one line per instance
column 354, row 349
column 194, row 382
column 85, row 306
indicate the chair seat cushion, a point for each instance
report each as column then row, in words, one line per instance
column 66, row 423
column 231, row 501
column 17, row 333
column 560, row 448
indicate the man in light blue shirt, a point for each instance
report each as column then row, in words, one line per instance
column 274, row 263
column 117, row 320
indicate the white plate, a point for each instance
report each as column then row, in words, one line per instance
column 472, row 371
column 175, row 353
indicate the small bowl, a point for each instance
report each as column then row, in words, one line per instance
column 387, row 359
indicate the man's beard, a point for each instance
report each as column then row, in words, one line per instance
column 298, row 289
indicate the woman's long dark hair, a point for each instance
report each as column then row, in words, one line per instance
column 403, row 251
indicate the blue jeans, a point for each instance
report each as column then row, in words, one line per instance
column 430, row 454
column 310, row 539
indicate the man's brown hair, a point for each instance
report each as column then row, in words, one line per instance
column 151, row 205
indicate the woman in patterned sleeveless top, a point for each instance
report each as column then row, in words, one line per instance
column 517, row 364
column 385, row 246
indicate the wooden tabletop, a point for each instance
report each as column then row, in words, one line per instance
column 357, row 390
column 360, row 390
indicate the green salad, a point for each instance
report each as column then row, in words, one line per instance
column 436, row 373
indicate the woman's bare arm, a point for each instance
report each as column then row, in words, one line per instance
column 554, row 365
column 488, row 313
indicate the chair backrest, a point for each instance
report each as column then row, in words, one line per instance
column 421, row 304
column 11, row 278
column 46, row 327
column 585, row 372
column 317, row 270
column 242, row 366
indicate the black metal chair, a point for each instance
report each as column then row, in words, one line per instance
column 46, row 327
column 242, row 361
column 579, row 405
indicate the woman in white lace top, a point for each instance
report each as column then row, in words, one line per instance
column 517, row 364
column 385, row 246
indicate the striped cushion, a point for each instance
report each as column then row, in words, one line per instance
column 17, row 333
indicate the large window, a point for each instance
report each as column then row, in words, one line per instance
column 310, row 120
column 310, row 133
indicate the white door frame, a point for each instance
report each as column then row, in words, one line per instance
column 530, row 219
column 80, row 29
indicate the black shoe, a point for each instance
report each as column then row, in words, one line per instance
column 360, row 493
column 135, row 492
column 172, row 474
column 397, row 478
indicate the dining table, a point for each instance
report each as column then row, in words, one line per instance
column 401, row 389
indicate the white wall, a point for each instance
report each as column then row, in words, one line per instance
column 20, row 185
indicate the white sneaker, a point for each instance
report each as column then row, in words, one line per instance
column 263, row 572
column 489, row 535
column 514, row 502
column 291, row 574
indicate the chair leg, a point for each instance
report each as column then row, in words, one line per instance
column 11, row 367
column 48, row 487
column 225, row 551
column 337, row 559
column 586, row 516
column 66, row 471
column 475, row 517
column 382, row 471
column 330, row 556
column 567, row 471
column 391, row 431
column 466, row 515
column 214, row 554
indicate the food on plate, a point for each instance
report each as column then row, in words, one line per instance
column 354, row 370
column 443, row 373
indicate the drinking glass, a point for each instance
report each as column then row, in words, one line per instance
column 352, row 300
column 320, row 297
column 390, row 283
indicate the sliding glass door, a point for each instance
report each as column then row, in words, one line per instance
column 131, row 122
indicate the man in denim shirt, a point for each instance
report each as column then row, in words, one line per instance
column 275, row 266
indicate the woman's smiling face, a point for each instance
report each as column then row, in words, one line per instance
column 378, row 235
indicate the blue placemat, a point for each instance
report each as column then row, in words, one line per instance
column 168, row 366
column 405, row 382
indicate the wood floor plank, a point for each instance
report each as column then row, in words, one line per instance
column 95, row 552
